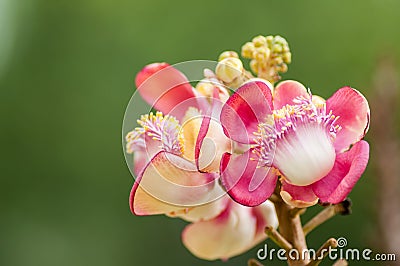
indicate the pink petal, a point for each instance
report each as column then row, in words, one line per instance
column 298, row 196
column 353, row 111
column 170, row 183
column 244, row 181
column 202, row 101
column 205, row 124
column 245, row 109
column 348, row 168
column 228, row 235
column 139, row 161
column 211, row 143
column 165, row 88
column 142, row 156
column 148, row 71
column 287, row 91
column 266, row 216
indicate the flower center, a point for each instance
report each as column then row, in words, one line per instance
column 165, row 129
column 298, row 140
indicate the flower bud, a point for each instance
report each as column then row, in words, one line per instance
column 205, row 88
column 248, row 49
column 259, row 41
column 287, row 57
column 278, row 61
column 209, row 74
column 262, row 54
column 254, row 66
column 276, row 48
column 229, row 69
column 283, row 68
column 227, row 54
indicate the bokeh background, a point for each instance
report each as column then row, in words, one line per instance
column 66, row 76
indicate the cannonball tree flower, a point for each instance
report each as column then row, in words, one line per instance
column 261, row 143
column 314, row 145
column 177, row 166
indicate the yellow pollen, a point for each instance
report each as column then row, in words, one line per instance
column 284, row 111
column 163, row 124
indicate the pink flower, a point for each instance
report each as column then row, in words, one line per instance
column 169, row 150
column 315, row 145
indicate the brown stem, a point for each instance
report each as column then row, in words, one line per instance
column 341, row 262
column 254, row 262
column 323, row 252
column 291, row 234
column 297, row 211
column 291, row 229
column 327, row 213
column 274, row 198
column 278, row 238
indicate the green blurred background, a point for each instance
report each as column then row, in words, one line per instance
column 66, row 75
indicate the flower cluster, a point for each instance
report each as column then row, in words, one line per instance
column 214, row 158
column 177, row 154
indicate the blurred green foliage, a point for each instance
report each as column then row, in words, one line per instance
column 65, row 83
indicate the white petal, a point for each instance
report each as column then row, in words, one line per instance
column 228, row 235
column 204, row 212
column 171, row 183
column 305, row 154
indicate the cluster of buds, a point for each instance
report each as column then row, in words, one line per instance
column 269, row 56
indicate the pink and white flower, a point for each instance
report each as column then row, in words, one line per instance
column 314, row 145
column 177, row 154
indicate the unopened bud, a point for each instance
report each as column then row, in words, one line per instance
column 261, row 53
column 280, row 40
column 278, row 61
column 205, row 88
column 259, row 41
column 254, row 66
column 283, row 68
column 276, row 48
column 227, row 54
column 208, row 73
column 248, row 49
column 287, row 57
column 229, row 69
